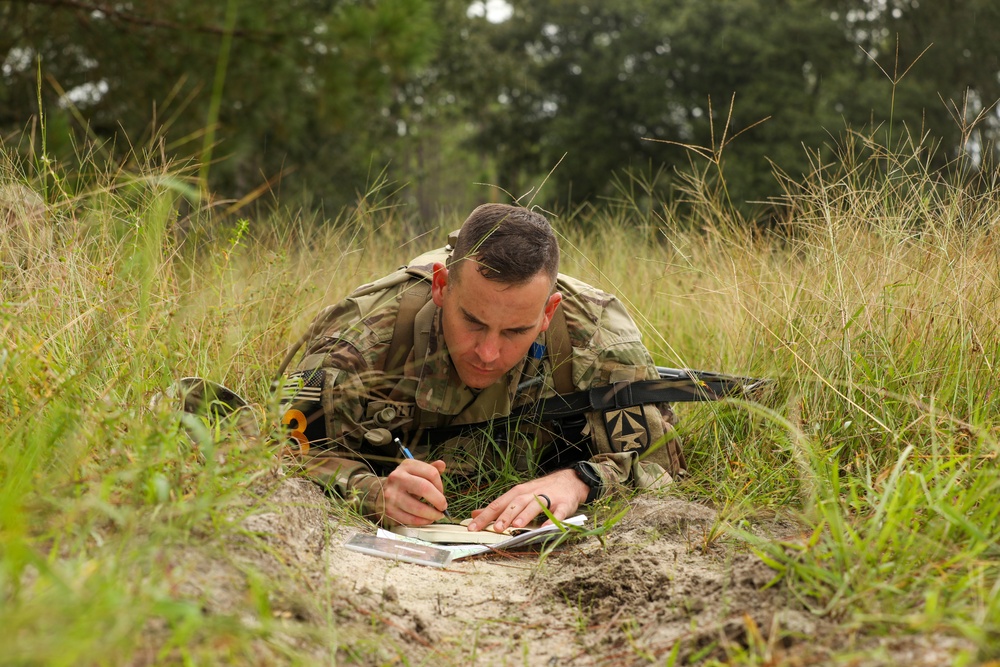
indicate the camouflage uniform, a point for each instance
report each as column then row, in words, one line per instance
column 343, row 389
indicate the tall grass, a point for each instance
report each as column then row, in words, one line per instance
column 874, row 305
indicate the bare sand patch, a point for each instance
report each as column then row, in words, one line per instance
column 659, row 587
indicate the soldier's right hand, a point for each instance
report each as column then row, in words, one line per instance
column 413, row 493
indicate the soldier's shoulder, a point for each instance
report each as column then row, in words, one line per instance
column 579, row 295
column 368, row 315
column 364, row 318
column 587, row 308
column 419, row 269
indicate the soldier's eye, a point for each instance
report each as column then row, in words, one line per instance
column 514, row 333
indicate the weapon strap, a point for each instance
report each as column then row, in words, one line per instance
column 695, row 386
column 622, row 395
column 412, row 300
column 560, row 352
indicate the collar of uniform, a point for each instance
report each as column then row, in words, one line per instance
column 441, row 391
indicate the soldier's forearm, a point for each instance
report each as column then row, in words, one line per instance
column 349, row 479
column 365, row 488
column 625, row 470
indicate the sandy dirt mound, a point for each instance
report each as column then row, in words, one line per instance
column 658, row 587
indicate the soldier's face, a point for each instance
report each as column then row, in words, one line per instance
column 489, row 326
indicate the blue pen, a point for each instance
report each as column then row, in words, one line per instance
column 407, row 454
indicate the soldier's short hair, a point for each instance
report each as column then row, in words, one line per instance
column 509, row 244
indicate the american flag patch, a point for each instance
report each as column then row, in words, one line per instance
column 303, row 386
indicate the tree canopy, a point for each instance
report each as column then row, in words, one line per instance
column 320, row 96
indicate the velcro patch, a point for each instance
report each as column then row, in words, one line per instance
column 303, row 386
column 627, row 429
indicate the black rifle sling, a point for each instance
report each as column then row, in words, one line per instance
column 622, row 395
column 679, row 386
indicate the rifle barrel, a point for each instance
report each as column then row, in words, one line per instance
column 719, row 384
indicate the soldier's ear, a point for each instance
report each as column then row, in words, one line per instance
column 439, row 281
column 550, row 309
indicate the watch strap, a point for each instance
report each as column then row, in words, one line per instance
column 585, row 471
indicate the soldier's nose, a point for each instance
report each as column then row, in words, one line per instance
column 488, row 351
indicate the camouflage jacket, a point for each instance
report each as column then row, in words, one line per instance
column 347, row 400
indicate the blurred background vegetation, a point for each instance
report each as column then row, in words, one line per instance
column 184, row 184
column 311, row 102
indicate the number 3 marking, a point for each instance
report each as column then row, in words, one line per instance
column 298, row 422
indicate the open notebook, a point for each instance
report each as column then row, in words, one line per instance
column 392, row 544
column 454, row 533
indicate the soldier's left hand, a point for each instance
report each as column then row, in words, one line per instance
column 519, row 506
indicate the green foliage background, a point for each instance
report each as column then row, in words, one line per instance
column 874, row 309
column 127, row 260
column 313, row 100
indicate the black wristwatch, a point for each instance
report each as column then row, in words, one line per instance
column 588, row 476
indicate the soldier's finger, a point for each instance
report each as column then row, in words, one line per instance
column 429, row 493
column 519, row 512
column 417, row 508
column 484, row 520
column 527, row 514
column 405, row 518
column 558, row 509
column 405, row 493
column 551, row 506
column 429, row 471
column 436, row 480
column 489, row 514
column 479, row 520
column 502, row 510
column 421, row 480
column 425, row 493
